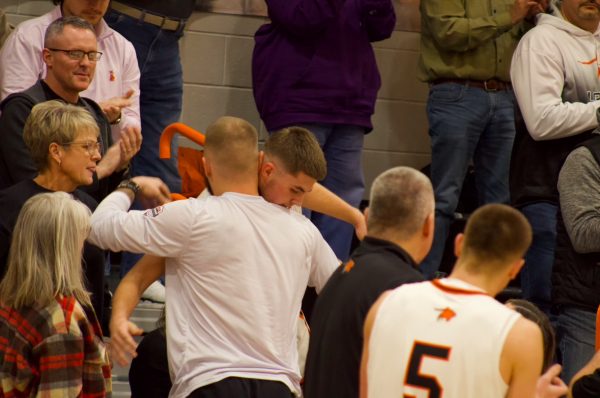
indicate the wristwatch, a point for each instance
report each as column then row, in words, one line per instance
column 117, row 120
column 131, row 185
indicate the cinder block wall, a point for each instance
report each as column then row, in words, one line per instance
column 216, row 56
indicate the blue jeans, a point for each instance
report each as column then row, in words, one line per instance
column 466, row 124
column 161, row 92
column 576, row 335
column 536, row 275
column 342, row 146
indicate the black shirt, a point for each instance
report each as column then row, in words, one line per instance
column 587, row 386
column 12, row 200
column 149, row 372
column 333, row 361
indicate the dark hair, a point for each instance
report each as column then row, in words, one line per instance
column 298, row 151
column 496, row 233
column 533, row 313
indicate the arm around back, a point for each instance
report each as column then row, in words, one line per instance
column 324, row 201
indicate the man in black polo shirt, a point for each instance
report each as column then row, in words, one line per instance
column 70, row 53
column 400, row 231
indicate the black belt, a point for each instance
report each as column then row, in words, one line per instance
column 487, row 85
column 162, row 22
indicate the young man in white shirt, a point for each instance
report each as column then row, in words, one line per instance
column 244, row 263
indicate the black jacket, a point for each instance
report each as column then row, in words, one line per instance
column 576, row 276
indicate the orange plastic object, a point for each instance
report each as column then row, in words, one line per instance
column 164, row 146
column 598, row 329
column 189, row 165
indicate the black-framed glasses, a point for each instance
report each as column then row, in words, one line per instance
column 78, row 54
column 91, row 147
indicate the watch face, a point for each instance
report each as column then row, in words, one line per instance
column 130, row 185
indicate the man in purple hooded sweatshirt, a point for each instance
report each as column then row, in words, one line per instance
column 314, row 66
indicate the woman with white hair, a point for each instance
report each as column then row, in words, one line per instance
column 50, row 339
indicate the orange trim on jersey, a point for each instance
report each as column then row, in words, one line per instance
column 454, row 290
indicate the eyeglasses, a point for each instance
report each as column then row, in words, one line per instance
column 91, row 147
column 93, row 56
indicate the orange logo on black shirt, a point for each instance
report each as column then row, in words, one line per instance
column 349, row 265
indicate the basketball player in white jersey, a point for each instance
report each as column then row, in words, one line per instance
column 450, row 337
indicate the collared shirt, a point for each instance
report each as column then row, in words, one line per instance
column 333, row 361
column 21, row 65
column 56, row 351
column 471, row 39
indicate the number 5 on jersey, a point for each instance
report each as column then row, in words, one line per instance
column 414, row 377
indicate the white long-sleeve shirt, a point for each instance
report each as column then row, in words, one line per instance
column 21, row 65
column 236, row 270
column 555, row 73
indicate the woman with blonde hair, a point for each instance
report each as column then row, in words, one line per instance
column 50, row 339
column 63, row 142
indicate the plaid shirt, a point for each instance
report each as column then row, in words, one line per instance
column 51, row 352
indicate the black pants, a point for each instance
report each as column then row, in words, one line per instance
column 237, row 387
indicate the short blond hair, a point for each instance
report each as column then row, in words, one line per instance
column 233, row 144
column 54, row 122
column 45, row 255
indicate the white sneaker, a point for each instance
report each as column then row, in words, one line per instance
column 155, row 292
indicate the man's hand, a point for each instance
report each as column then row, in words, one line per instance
column 549, row 385
column 539, row 8
column 117, row 157
column 123, row 346
column 110, row 162
column 130, row 144
column 113, row 107
column 153, row 191
column 521, row 9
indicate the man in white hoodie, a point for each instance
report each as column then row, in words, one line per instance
column 556, row 78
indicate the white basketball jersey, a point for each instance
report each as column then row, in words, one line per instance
column 438, row 339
